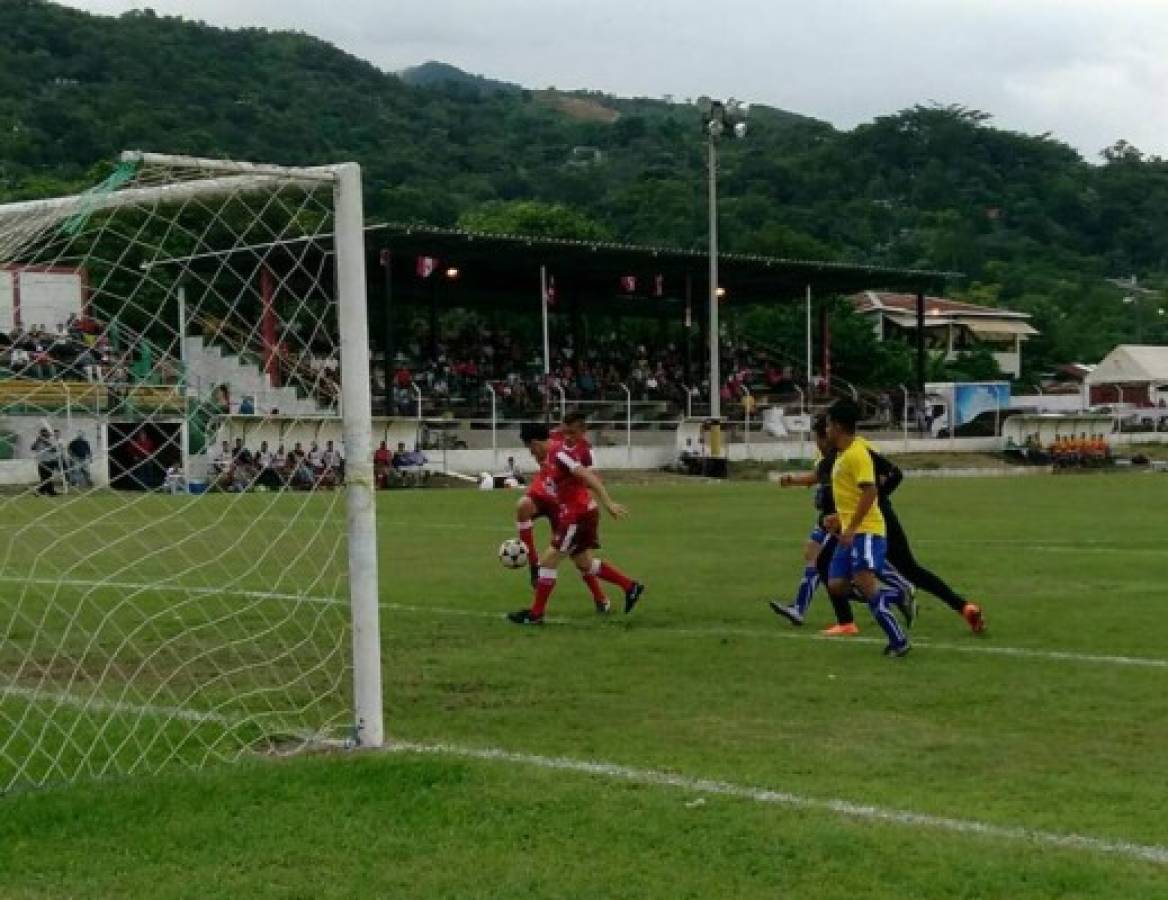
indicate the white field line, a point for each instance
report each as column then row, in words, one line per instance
column 99, row 704
column 1077, row 546
column 94, row 703
column 977, row 646
column 1086, row 545
column 656, row 778
column 974, row 647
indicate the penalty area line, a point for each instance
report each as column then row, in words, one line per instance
column 656, row 778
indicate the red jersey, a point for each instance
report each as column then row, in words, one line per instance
column 572, row 493
column 543, row 486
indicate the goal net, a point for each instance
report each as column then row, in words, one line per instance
column 187, row 551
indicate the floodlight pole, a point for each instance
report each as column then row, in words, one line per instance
column 717, row 118
column 715, row 375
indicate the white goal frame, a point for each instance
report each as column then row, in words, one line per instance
column 231, row 178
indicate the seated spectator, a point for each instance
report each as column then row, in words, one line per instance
column 280, row 466
column 19, row 359
column 408, row 465
column 268, row 471
column 331, row 466
column 511, row 470
column 240, row 455
column 298, row 472
column 692, row 460
column 381, row 466
column 87, row 364
column 175, row 481
column 315, row 458
column 244, row 477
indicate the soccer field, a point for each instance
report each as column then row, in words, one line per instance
column 700, row 747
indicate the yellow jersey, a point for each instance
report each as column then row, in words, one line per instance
column 853, row 468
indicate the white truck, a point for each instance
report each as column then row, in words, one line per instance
column 965, row 408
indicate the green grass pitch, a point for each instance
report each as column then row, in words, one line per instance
column 1027, row 763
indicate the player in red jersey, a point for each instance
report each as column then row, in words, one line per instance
column 577, row 532
column 540, row 501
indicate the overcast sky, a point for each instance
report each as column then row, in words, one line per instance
column 1088, row 71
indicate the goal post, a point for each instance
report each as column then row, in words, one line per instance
column 188, row 547
column 357, row 406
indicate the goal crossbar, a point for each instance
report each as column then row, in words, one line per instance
column 205, row 188
column 231, row 167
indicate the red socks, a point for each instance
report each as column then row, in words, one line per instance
column 612, row 574
column 527, row 537
column 543, row 591
column 594, row 586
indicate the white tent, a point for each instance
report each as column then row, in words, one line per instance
column 1132, row 364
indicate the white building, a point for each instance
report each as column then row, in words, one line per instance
column 1131, row 373
column 951, row 327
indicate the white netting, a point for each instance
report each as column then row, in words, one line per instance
column 172, row 308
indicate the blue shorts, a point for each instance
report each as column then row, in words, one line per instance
column 819, row 535
column 865, row 555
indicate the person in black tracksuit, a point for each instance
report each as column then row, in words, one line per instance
column 900, row 555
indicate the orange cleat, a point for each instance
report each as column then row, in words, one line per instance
column 971, row 612
column 841, row 630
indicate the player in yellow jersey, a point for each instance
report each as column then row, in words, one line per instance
column 859, row 557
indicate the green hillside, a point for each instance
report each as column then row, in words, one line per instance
column 1034, row 225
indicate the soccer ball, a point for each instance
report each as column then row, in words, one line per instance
column 512, row 554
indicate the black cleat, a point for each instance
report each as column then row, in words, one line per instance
column 632, row 595
column 603, row 608
column 525, row 617
column 908, row 609
column 897, row 651
column 790, row 613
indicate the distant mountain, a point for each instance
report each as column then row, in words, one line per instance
column 430, row 74
column 1033, row 225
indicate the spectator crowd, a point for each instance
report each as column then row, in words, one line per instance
column 74, row 350
column 237, row 468
column 462, row 366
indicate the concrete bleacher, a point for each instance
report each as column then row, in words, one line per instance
column 29, row 396
column 210, row 366
column 34, row 397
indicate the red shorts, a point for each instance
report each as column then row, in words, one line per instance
column 577, row 532
column 545, row 508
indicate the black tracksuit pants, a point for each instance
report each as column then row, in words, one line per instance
column 901, row 556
